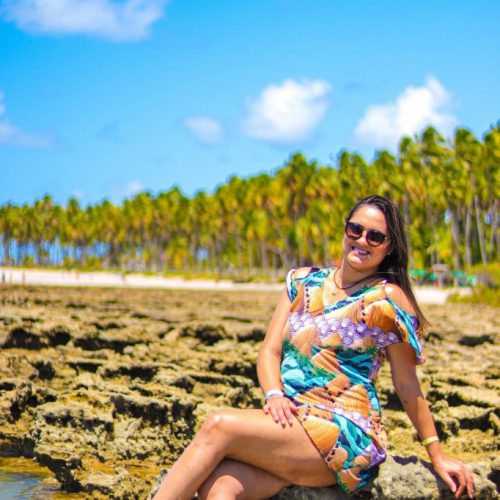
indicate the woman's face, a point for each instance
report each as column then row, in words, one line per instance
column 358, row 253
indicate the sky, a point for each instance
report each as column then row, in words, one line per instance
column 105, row 98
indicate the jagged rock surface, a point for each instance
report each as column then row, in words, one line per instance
column 105, row 387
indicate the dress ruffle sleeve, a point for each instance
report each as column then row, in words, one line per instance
column 390, row 317
column 291, row 285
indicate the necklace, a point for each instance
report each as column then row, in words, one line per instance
column 338, row 287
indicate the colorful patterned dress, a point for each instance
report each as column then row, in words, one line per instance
column 331, row 356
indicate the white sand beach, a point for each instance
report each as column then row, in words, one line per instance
column 20, row 276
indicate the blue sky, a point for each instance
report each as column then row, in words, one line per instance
column 102, row 98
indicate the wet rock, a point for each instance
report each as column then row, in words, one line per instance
column 63, row 465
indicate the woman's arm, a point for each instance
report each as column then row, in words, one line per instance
column 407, row 386
column 269, row 362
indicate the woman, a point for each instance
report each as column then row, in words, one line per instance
column 328, row 336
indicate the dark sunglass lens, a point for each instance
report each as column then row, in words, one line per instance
column 353, row 230
column 374, row 237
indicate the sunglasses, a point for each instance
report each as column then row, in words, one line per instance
column 374, row 238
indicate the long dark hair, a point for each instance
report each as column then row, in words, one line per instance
column 394, row 267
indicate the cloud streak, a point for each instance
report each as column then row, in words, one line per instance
column 205, row 129
column 11, row 135
column 287, row 112
column 118, row 21
column 383, row 125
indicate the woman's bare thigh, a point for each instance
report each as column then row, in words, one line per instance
column 234, row 479
column 287, row 452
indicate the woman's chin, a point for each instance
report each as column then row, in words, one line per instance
column 359, row 263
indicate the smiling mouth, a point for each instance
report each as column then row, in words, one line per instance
column 359, row 251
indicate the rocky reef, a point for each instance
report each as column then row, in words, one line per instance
column 105, row 387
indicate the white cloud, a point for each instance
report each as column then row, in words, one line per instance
column 205, row 129
column 287, row 112
column 118, row 191
column 10, row 135
column 117, row 20
column 415, row 108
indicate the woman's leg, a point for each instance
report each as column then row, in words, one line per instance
column 235, row 480
column 252, row 437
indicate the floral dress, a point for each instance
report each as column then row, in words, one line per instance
column 331, row 356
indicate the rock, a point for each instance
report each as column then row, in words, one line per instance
column 71, row 429
column 144, row 371
column 474, row 340
column 253, row 335
column 94, row 341
column 456, row 396
column 114, row 486
column 207, row 334
column 400, row 478
column 116, row 385
column 149, row 409
column 17, row 395
column 35, row 337
column 63, row 465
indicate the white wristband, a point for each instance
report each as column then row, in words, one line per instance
column 273, row 392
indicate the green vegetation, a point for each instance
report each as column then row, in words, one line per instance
column 447, row 192
column 487, row 290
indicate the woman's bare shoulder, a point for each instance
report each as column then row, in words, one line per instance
column 399, row 297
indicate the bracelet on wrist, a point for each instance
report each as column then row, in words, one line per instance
column 429, row 440
column 273, row 392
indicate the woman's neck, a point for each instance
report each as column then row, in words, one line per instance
column 346, row 275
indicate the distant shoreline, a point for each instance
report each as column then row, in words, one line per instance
column 74, row 278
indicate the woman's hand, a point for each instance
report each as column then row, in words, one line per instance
column 448, row 469
column 281, row 409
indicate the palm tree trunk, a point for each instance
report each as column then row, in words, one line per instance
column 480, row 231
column 407, row 221
column 494, row 235
column 263, row 255
column 468, row 226
column 455, row 233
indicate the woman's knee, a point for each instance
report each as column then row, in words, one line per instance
column 219, row 488
column 216, row 427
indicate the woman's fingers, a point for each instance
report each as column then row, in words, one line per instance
column 449, row 481
column 470, row 483
column 288, row 414
column 281, row 409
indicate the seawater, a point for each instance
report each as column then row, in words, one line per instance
column 21, row 485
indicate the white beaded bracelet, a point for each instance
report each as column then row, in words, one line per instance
column 273, row 392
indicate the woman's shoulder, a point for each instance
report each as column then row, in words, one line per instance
column 388, row 300
column 312, row 272
column 399, row 297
